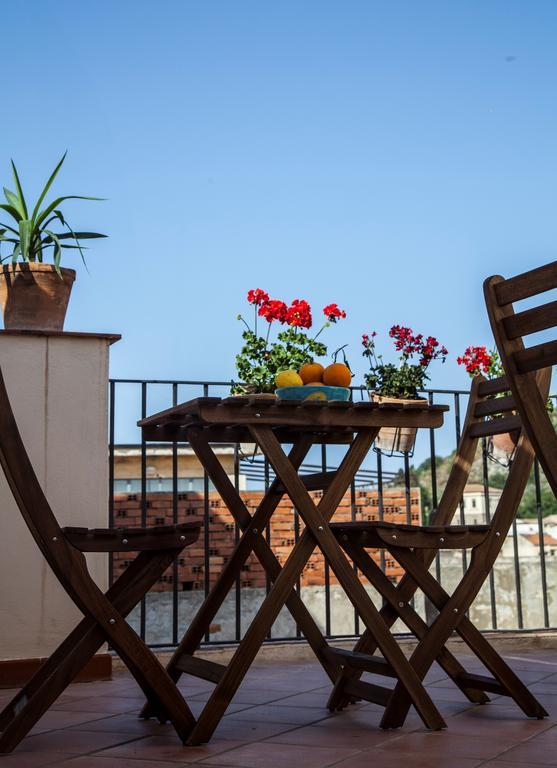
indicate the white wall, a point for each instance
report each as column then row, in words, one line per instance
column 58, row 386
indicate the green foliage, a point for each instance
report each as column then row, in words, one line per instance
column 259, row 362
column 30, row 234
column 403, row 381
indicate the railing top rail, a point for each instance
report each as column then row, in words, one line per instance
column 229, row 382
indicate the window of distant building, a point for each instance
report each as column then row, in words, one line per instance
column 160, row 485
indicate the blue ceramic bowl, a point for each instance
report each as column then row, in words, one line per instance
column 317, row 392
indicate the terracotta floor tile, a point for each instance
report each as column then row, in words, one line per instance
column 126, row 723
column 309, row 735
column 274, row 713
column 385, row 758
column 32, row 759
column 96, row 761
column 103, row 704
column 170, row 750
column 260, row 755
column 54, row 719
column 71, row 742
column 444, row 745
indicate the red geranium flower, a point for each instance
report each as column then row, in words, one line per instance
column 299, row 314
column 476, row 360
column 257, row 296
column 273, row 310
column 333, row 313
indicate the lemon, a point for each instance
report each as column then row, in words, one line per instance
column 288, row 379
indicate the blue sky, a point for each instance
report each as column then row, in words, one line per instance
column 384, row 155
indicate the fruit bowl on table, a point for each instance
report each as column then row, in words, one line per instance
column 313, row 392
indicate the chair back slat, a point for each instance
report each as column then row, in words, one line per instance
column 496, row 386
column 531, row 320
column 535, row 358
column 494, row 405
column 491, row 427
column 527, row 284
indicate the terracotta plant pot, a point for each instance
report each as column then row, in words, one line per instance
column 506, row 443
column 34, row 297
column 395, row 439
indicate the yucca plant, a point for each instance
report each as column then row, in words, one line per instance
column 31, row 235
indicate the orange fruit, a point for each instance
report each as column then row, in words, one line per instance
column 314, row 384
column 311, row 372
column 337, row 375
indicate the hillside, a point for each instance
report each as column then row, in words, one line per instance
column 421, row 475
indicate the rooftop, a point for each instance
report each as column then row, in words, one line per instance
column 279, row 718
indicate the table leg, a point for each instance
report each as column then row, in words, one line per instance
column 325, row 539
column 279, row 592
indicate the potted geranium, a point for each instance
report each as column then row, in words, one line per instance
column 278, row 341
column 34, row 295
column 478, row 361
column 400, row 381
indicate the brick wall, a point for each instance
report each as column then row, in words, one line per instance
column 191, row 508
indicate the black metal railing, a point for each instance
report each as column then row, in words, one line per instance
column 515, row 597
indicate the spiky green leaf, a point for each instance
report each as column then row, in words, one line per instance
column 14, row 213
column 19, row 192
column 47, row 186
column 48, row 210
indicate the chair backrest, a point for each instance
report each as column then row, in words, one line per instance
column 520, row 362
column 25, row 487
column 491, row 411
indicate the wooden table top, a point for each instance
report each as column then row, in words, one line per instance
column 228, row 419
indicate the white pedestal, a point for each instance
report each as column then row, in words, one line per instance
column 58, row 387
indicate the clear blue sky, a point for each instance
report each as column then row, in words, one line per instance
column 384, row 155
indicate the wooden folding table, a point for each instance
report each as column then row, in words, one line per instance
column 271, row 424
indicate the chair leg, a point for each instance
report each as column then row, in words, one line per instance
column 453, row 617
column 57, row 672
column 398, row 605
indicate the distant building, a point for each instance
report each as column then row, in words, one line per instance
column 529, row 540
column 474, row 502
column 159, row 468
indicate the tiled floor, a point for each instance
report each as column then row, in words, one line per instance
column 279, row 720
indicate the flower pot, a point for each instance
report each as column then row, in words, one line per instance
column 506, row 443
column 34, row 297
column 501, row 448
column 395, row 439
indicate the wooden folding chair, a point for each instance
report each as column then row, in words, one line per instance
column 104, row 614
column 415, row 548
column 521, row 363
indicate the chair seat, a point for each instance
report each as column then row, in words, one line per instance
column 375, row 533
column 132, row 539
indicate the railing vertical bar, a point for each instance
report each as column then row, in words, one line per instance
column 206, row 531
column 485, row 476
column 268, row 536
column 380, row 504
column 298, row 582
column 175, row 522
column 238, row 587
column 408, row 501
column 457, row 416
column 517, row 581
column 541, row 535
column 111, row 433
column 142, row 627
column 433, row 470
column 327, row 572
column 353, row 518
